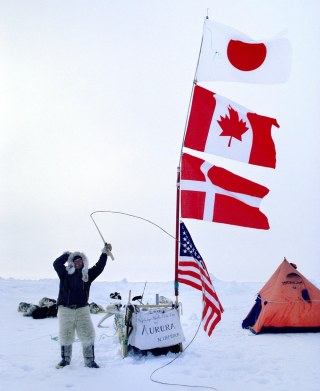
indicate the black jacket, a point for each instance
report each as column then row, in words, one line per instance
column 72, row 290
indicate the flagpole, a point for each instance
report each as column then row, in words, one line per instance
column 191, row 95
column 176, row 283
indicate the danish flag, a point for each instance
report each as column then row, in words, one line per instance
column 212, row 193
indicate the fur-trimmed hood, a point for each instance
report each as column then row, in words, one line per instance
column 70, row 266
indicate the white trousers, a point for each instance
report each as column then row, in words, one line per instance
column 73, row 321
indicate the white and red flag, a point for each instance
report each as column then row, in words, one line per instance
column 229, row 55
column 221, row 127
column 193, row 271
column 212, row 193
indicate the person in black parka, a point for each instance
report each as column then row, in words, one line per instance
column 73, row 306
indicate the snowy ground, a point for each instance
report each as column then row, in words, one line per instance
column 232, row 359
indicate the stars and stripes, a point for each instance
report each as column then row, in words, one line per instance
column 192, row 271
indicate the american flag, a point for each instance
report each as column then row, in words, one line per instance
column 193, row 271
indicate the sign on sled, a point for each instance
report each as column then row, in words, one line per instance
column 156, row 329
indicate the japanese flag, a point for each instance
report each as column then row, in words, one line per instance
column 221, row 127
column 214, row 194
column 229, row 55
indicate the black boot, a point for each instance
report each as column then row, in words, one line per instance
column 88, row 354
column 65, row 355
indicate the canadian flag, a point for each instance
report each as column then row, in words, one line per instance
column 221, row 127
column 214, row 194
column 229, row 55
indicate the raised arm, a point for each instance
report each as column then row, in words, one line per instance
column 97, row 269
column 58, row 264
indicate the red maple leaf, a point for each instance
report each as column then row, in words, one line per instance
column 232, row 126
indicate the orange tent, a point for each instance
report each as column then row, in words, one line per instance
column 288, row 302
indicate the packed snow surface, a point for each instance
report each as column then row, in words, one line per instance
column 231, row 359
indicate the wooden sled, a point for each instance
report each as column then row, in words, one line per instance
column 125, row 323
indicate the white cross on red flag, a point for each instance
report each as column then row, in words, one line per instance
column 212, row 193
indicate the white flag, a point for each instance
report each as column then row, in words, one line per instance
column 229, row 55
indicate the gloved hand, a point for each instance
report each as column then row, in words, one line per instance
column 107, row 249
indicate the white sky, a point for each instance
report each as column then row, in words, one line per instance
column 93, row 104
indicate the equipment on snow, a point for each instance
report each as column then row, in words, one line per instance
column 145, row 328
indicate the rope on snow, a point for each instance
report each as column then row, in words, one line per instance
column 175, row 358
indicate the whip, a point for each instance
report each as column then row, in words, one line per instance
column 104, row 242
column 130, row 215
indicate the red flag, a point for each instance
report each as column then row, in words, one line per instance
column 229, row 55
column 221, row 127
column 214, row 194
column 193, row 271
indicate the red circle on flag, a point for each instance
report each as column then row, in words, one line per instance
column 246, row 56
